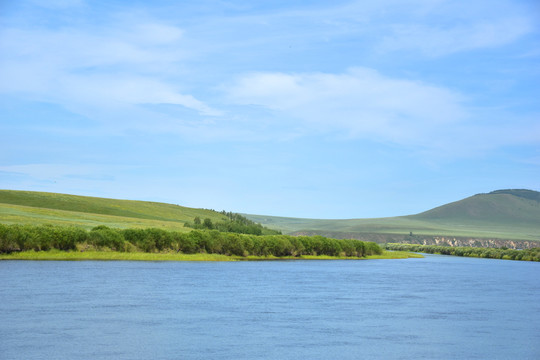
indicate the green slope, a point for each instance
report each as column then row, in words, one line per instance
column 502, row 214
column 508, row 207
column 28, row 207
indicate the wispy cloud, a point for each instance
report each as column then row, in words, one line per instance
column 223, row 99
column 434, row 40
column 134, row 59
column 361, row 102
column 425, row 27
column 126, row 65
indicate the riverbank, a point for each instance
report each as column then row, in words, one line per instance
column 172, row 256
column 490, row 253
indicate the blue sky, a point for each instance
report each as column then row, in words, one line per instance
column 314, row 109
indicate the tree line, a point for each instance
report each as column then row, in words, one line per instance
column 236, row 223
column 491, row 253
column 46, row 237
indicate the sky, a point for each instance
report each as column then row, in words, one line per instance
column 342, row 109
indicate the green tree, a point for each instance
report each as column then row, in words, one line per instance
column 207, row 223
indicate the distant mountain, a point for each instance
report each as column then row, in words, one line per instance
column 511, row 207
column 524, row 193
column 502, row 214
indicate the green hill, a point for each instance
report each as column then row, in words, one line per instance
column 28, row 207
column 509, row 207
column 501, row 214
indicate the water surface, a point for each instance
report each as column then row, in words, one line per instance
column 433, row 308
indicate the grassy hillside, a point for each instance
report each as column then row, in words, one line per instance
column 28, row 207
column 508, row 207
column 503, row 214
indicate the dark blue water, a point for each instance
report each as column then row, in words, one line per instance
column 433, row 308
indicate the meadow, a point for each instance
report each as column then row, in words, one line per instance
column 59, row 255
column 48, row 226
column 503, row 214
column 35, row 225
column 28, row 207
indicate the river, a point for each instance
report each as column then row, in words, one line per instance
column 439, row 307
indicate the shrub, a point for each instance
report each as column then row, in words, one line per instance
column 103, row 236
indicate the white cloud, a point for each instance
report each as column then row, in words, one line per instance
column 131, row 64
column 438, row 40
column 157, row 34
column 109, row 71
column 426, row 27
column 361, row 102
column 119, row 91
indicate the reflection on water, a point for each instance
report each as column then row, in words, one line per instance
column 437, row 307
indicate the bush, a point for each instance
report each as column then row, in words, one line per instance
column 103, row 236
column 372, row 248
column 158, row 239
column 491, row 253
column 45, row 237
column 184, row 243
column 10, row 238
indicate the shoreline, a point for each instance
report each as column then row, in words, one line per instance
column 56, row 255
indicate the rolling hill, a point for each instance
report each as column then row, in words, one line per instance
column 509, row 207
column 501, row 214
column 28, row 207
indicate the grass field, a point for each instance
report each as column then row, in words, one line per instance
column 495, row 215
column 15, row 214
column 26, row 207
column 140, row 256
column 403, row 226
column 507, row 214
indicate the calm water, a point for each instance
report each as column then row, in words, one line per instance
column 433, row 308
